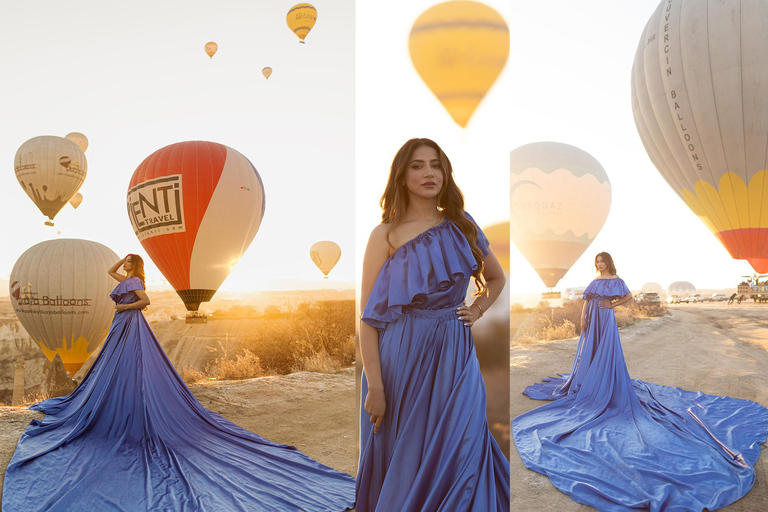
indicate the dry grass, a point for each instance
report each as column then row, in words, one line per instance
column 319, row 362
column 551, row 324
column 29, row 399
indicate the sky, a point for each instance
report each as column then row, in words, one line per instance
column 136, row 78
column 570, row 66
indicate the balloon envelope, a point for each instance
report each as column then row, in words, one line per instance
column 700, row 103
column 652, row 287
column 195, row 207
column 79, row 139
column 76, row 200
column 301, row 18
column 559, row 199
column 267, row 72
column 680, row 288
column 459, row 49
column 50, row 170
column 60, row 293
column 325, row 255
column 211, row 48
column 498, row 236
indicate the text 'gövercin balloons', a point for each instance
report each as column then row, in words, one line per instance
column 325, row 255
column 559, row 199
column 195, row 207
column 50, row 170
column 700, row 102
column 459, row 49
column 60, row 293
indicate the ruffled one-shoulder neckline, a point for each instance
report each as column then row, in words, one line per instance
column 418, row 237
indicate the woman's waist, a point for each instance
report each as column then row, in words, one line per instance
column 432, row 312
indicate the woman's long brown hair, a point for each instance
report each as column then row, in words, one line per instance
column 138, row 267
column 394, row 201
column 608, row 261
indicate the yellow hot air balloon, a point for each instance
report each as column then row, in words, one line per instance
column 325, row 255
column 50, row 170
column 301, row 18
column 76, row 200
column 267, row 72
column 559, row 199
column 459, row 49
column 498, row 236
column 79, row 139
column 211, row 48
column 60, row 293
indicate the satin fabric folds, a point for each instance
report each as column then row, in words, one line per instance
column 132, row 438
column 619, row 444
column 434, row 451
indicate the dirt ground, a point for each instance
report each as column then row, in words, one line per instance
column 312, row 411
column 714, row 348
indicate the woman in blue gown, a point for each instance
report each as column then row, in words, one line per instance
column 424, row 438
column 133, row 438
column 620, row 444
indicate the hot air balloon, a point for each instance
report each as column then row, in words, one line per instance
column 325, row 255
column 79, row 139
column 681, row 288
column 211, row 48
column 559, row 199
column 195, row 207
column 267, row 72
column 459, row 49
column 652, row 287
column 699, row 85
column 60, row 293
column 50, row 170
column 301, row 18
column 498, row 236
column 76, row 200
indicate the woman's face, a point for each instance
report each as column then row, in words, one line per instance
column 127, row 265
column 424, row 174
column 601, row 265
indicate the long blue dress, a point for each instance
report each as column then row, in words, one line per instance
column 133, row 438
column 621, row 444
column 433, row 451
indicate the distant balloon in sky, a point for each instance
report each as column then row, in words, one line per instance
column 50, row 170
column 267, row 72
column 79, row 139
column 211, row 48
column 498, row 236
column 76, row 200
column 681, row 288
column 195, row 207
column 652, row 287
column 325, row 255
column 459, row 49
column 60, row 293
column 559, row 200
column 699, row 84
column 301, row 18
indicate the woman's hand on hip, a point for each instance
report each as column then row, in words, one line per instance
column 376, row 406
column 468, row 314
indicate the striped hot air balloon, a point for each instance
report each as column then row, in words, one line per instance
column 195, row 207
column 700, row 103
column 60, row 293
column 301, row 18
column 459, row 49
column 559, row 199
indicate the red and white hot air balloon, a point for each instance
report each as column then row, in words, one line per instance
column 195, row 207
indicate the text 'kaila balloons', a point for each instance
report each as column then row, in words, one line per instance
column 50, row 170
column 459, row 49
column 700, row 102
column 79, row 139
column 76, row 200
column 498, row 236
column 211, row 48
column 559, row 199
column 301, row 18
column 325, row 255
column 195, row 207
column 60, row 293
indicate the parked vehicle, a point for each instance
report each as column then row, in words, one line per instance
column 718, row 297
column 648, row 298
column 673, row 299
column 693, row 298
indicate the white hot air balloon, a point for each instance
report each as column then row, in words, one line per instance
column 79, row 139
column 60, row 293
column 50, row 170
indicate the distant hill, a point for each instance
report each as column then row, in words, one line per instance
column 4, row 287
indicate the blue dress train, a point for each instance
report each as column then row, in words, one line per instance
column 620, row 444
column 433, row 451
column 132, row 438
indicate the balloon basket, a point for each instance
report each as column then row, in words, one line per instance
column 195, row 317
column 48, row 223
column 550, row 295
